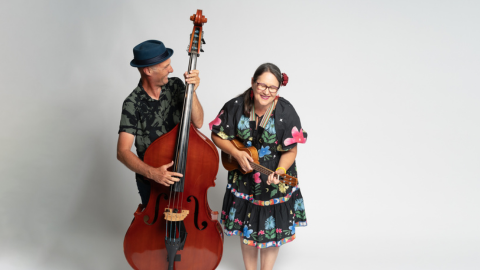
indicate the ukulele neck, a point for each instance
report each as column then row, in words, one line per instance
column 260, row 168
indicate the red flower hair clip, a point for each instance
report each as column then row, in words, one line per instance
column 284, row 79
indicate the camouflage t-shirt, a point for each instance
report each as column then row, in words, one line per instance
column 147, row 118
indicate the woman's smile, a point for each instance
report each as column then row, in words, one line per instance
column 265, row 97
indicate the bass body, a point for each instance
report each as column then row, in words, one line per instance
column 144, row 243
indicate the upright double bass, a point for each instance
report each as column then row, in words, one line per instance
column 177, row 229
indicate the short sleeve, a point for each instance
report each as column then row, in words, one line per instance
column 290, row 131
column 226, row 121
column 128, row 120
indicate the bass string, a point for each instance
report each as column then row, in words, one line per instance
column 184, row 134
column 167, row 227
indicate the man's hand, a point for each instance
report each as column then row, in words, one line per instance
column 163, row 176
column 192, row 78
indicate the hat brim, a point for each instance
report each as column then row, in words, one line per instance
column 169, row 51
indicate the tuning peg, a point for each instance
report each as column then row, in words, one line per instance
column 203, row 41
column 201, row 50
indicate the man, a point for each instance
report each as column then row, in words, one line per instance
column 151, row 110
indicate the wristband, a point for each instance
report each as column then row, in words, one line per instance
column 282, row 169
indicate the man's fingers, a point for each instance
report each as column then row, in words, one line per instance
column 168, row 165
column 176, row 174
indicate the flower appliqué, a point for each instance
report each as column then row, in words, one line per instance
column 299, row 205
column 256, row 177
column 244, row 123
column 282, row 187
column 297, row 137
column 270, row 223
column 216, row 121
column 264, row 151
column 222, row 135
column 247, row 232
column 292, row 228
column 232, row 213
column 270, row 127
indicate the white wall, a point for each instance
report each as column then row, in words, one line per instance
column 387, row 90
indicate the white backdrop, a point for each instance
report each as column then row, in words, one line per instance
column 387, row 90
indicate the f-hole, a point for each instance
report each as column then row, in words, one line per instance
column 204, row 223
column 157, row 205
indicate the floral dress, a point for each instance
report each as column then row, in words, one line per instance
column 264, row 215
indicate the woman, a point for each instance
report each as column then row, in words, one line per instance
column 259, row 208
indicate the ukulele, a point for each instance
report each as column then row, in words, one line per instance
column 230, row 163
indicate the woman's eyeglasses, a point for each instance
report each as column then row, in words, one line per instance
column 262, row 87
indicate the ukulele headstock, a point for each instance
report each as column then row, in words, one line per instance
column 288, row 180
column 196, row 37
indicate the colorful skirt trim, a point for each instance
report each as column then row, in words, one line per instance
column 254, row 243
column 259, row 202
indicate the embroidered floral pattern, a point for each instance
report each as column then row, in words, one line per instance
column 222, row 135
column 216, row 121
column 299, row 204
column 247, row 232
column 270, row 223
column 256, row 177
column 292, row 228
column 299, row 209
column 270, row 127
column 264, row 151
column 258, row 187
column 282, row 187
column 250, row 198
column 232, row 213
column 244, row 123
column 297, row 137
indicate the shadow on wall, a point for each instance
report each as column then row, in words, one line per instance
column 91, row 237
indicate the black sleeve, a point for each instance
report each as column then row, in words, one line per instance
column 224, row 125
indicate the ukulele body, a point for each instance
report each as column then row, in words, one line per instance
column 230, row 163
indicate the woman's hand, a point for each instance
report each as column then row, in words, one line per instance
column 273, row 178
column 243, row 159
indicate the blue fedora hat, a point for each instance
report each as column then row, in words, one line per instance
column 149, row 53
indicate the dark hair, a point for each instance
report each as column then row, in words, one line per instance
column 267, row 67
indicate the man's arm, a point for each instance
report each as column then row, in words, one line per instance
column 197, row 110
column 128, row 158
